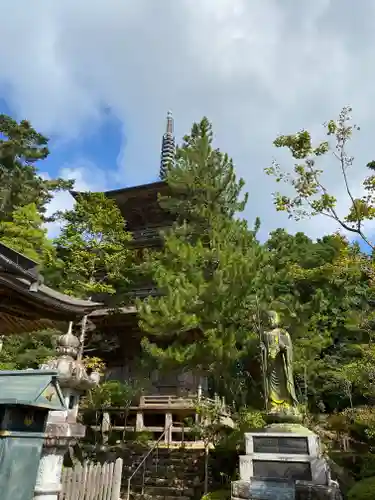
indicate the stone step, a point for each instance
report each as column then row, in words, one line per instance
column 146, row 496
column 165, row 491
column 161, row 463
column 161, row 458
column 172, row 454
column 161, row 469
column 186, row 482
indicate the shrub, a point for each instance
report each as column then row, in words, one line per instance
column 363, row 490
column 217, row 495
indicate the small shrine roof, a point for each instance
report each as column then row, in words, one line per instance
column 36, row 388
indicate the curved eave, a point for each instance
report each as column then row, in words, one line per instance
column 14, row 325
column 121, row 195
column 45, row 295
column 26, row 307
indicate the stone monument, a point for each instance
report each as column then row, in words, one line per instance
column 62, row 428
column 285, row 460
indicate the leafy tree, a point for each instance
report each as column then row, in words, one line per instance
column 209, row 268
column 209, row 429
column 94, row 255
column 111, row 394
column 20, row 148
column 24, row 232
column 93, row 247
column 326, row 296
column 311, row 195
column 28, row 350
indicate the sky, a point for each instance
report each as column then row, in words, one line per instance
column 99, row 77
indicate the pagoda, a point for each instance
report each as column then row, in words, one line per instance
column 168, row 397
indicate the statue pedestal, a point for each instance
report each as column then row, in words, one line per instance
column 284, row 462
column 60, row 434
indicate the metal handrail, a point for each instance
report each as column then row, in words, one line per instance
column 145, row 458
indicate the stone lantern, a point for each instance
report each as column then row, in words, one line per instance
column 62, row 428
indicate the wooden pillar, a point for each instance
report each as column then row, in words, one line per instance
column 139, row 422
column 106, row 426
column 168, row 427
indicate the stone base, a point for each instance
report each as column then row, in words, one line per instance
column 284, row 462
column 285, row 427
column 309, row 491
column 291, row 415
column 59, row 435
column 257, row 489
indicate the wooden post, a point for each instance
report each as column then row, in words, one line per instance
column 116, row 482
column 168, row 427
column 106, row 426
column 139, row 425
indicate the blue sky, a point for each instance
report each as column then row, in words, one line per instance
column 97, row 145
column 99, row 77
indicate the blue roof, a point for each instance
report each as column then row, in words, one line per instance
column 38, row 388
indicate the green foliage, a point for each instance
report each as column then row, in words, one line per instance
column 203, row 182
column 27, row 351
column 363, row 490
column 217, row 495
column 94, row 255
column 209, row 268
column 245, row 420
column 209, row 426
column 325, row 295
column 110, row 394
column 311, row 196
column 24, row 232
column 20, row 148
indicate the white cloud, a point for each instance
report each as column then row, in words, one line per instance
column 255, row 69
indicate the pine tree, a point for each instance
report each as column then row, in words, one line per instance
column 21, row 147
column 203, row 181
column 208, row 269
column 24, row 232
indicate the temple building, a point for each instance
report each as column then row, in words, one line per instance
column 168, row 397
column 27, row 305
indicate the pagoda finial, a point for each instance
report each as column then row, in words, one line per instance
column 170, row 123
column 168, row 147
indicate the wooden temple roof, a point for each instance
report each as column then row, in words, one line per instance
column 26, row 304
column 139, row 204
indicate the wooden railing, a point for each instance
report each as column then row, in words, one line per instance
column 170, row 401
column 173, row 401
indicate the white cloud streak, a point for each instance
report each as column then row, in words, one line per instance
column 256, row 69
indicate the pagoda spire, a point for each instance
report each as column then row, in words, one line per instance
column 168, row 147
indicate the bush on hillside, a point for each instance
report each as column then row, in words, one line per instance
column 363, row 490
column 217, row 495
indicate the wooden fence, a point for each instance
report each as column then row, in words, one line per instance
column 92, row 481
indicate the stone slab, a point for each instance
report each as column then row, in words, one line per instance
column 308, row 491
column 283, row 443
column 318, row 466
column 262, row 490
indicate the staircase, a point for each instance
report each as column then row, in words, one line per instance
column 166, row 474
